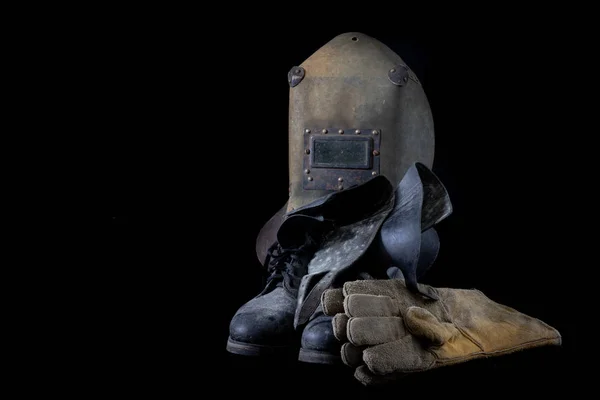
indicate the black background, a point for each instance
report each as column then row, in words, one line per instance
column 197, row 125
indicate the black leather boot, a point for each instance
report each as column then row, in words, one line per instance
column 319, row 345
column 265, row 324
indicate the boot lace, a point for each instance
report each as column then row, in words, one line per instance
column 288, row 266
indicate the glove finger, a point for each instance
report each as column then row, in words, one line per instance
column 424, row 324
column 383, row 287
column 394, row 288
column 368, row 305
column 367, row 378
column 352, row 355
column 370, row 331
column 332, row 301
column 340, row 322
column 404, row 355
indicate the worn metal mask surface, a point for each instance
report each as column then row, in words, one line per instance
column 356, row 110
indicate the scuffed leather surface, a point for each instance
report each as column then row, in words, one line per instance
column 318, row 335
column 266, row 319
column 339, row 251
column 421, row 202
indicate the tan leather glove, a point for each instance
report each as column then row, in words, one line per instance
column 388, row 331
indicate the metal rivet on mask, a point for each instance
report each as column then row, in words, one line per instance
column 310, row 178
column 375, row 152
column 295, row 76
column 341, row 131
column 374, row 173
column 375, row 132
column 307, row 151
column 357, row 131
column 307, row 130
column 398, row 75
column 307, row 171
column 340, row 179
column 324, row 130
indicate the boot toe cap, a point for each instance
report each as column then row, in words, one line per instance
column 257, row 328
column 318, row 335
column 265, row 320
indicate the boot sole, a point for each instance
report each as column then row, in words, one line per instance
column 318, row 357
column 248, row 349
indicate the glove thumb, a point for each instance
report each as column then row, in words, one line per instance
column 424, row 324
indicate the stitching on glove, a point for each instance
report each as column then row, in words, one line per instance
column 484, row 354
column 324, row 304
column 347, row 306
column 457, row 326
column 348, row 330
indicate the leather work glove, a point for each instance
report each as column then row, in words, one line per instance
column 388, row 331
